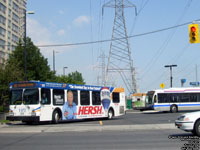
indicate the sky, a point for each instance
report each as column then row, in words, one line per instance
column 75, row 21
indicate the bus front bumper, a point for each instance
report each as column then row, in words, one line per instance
column 24, row 118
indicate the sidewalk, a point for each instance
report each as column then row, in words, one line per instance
column 79, row 128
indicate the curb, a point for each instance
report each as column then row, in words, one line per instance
column 77, row 128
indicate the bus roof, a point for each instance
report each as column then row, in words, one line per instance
column 139, row 94
column 179, row 90
column 54, row 85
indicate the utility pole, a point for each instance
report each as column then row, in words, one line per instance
column 171, row 78
column 119, row 60
column 53, row 60
column 64, row 70
column 25, row 52
column 196, row 71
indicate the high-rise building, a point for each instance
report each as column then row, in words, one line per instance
column 12, row 21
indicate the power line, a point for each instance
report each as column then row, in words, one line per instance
column 109, row 40
column 160, row 51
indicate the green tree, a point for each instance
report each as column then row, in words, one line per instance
column 37, row 65
column 13, row 69
column 73, row 78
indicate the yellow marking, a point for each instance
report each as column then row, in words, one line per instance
column 101, row 123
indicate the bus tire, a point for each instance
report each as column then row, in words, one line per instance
column 174, row 109
column 110, row 114
column 56, row 117
column 197, row 128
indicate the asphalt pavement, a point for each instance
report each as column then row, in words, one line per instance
column 136, row 130
column 107, row 140
column 133, row 120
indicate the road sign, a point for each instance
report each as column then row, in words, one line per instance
column 162, row 85
column 183, row 80
column 194, row 83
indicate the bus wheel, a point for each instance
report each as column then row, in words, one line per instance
column 56, row 117
column 197, row 128
column 173, row 109
column 110, row 114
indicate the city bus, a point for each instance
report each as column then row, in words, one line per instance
column 138, row 101
column 173, row 99
column 36, row 101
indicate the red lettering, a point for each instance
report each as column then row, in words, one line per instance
column 99, row 110
column 81, row 110
column 90, row 110
column 86, row 110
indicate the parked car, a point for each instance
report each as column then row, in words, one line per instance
column 189, row 122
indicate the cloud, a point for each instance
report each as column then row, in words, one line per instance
column 61, row 32
column 35, row 30
column 41, row 35
column 79, row 21
column 61, row 12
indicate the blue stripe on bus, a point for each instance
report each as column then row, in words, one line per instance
column 36, row 109
column 177, row 105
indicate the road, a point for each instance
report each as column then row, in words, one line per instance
column 133, row 120
column 135, row 130
column 135, row 140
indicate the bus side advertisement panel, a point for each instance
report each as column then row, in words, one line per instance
column 90, row 112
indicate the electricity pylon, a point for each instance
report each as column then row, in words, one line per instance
column 119, row 60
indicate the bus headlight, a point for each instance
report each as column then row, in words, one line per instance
column 33, row 113
column 11, row 113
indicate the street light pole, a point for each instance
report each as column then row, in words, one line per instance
column 25, row 52
column 54, row 61
column 64, row 70
column 170, row 67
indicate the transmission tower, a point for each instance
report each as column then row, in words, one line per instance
column 119, row 60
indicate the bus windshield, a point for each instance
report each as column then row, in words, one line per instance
column 16, row 97
column 27, row 97
column 31, row 96
column 149, row 97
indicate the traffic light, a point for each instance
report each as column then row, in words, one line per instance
column 194, row 33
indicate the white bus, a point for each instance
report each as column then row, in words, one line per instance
column 174, row 99
column 35, row 101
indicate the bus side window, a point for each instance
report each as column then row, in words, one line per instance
column 58, row 97
column 160, row 98
column 45, row 96
column 116, row 98
column 198, row 97
column 96, row 99
column 193, row 97
column 85, row 97
column 185, row 98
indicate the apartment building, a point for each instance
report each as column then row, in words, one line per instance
column 12, row 23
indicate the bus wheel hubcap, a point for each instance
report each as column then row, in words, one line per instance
column 56, row 117
column 110, row 114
